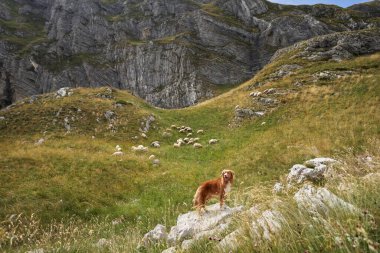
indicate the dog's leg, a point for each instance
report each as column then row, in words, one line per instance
column 221, row 199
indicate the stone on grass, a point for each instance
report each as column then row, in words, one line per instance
column 63, row 92
column 170, row 250
column 320, row 201
column 190, row 224
column 39, row 142
column 110, row 115
column 36, row 251
column 158, row 234
column 278, row 188
column 103, row 242
column 300, row 173
column 156, row 162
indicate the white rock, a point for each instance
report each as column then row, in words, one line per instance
column 63, row 92
column 320, row 201
column 191, row 223
column 158, row 234
column 103, row 242
column 170, row 250
column 39, row 142
column 186, row 244
column 197, row 145
column 212, row 141
column 36, row 251
column 278, row 188
column 320, row 160
column 118, row 153
column 151, row 157
column 299, row 173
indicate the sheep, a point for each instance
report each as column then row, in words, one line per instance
column 212, row 141
column 188, row 129
column 196, row 139
column 197, row 145
column 118, row 148
column 139, row 148
column 200, row 131
column 177, row 145
column 173, row 126
column 182, row 130
column 155, row 144
column 189, row 134
column 151, row 157
column 144, row 135
column 118, row 153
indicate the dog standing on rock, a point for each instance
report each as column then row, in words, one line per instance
column 217, row 188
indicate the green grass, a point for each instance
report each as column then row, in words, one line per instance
column 74, row 175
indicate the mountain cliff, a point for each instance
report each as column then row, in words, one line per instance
column 172, row 53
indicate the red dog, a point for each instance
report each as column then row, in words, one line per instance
column 213, row 188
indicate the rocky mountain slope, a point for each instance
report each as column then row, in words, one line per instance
column 94, row 169
column 172, row 53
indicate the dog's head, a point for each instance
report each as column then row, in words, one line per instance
column 228, row 175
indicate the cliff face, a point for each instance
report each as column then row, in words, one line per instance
column 172, row 53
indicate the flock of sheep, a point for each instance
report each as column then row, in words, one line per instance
column 188, row 140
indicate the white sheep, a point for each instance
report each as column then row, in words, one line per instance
column 118, row 153
column 155, row 144
column 139, row 148
column 189, row 134
column 212, row 141
column 177, row 145
column 173, row 126
column 200, row 131
column 151, row 157
column 144, row 135
column 118, row 148
column 197, row 145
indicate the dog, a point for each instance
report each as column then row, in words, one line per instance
column 217, row 188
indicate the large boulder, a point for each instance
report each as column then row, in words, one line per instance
column 190, row 224
column 158, row 234
column 313, row 171
column 320, row 201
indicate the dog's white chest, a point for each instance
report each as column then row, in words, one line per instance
column 227, row 188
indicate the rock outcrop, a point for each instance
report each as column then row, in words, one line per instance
column 262, row 223
column 171, row 53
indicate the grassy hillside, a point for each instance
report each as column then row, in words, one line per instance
column 69, row 189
